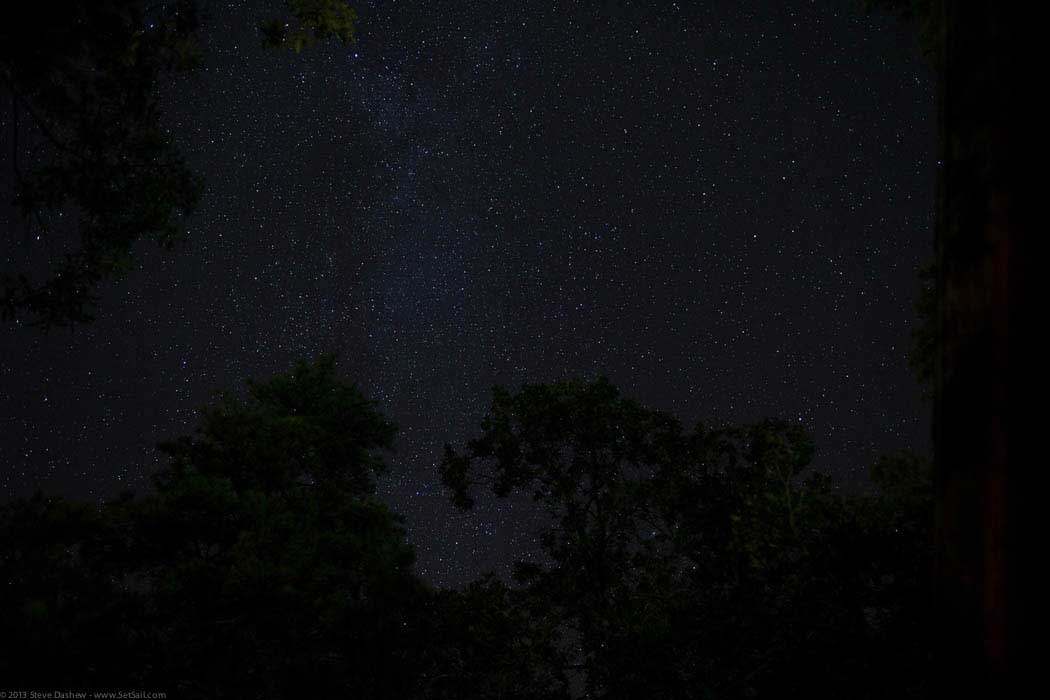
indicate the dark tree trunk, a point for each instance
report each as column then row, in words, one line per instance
column 986, row 400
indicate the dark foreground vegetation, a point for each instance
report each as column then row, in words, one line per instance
column 704, row 563
column 709, row 563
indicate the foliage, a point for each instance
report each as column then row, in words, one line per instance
column 315, row 21
column 94, row 168
column 486, row 641
column 298, row 429
column 922, row 15
column 261, row 565
column 705, row 562
column 56, row 608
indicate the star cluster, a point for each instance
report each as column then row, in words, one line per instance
column 721, row 208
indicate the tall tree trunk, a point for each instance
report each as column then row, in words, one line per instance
column 986, row 398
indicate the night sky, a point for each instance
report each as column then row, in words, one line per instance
column 721, row 209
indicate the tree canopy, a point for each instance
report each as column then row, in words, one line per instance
column 710, row 562
column 93, row 169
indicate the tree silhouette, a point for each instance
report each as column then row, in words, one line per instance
column 92, row 168
column 315, row 21
column 712, row 561
column 94, row 171
column 261, row 565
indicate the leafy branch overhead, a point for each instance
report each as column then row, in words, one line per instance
column 94, row 169
column 310, row 22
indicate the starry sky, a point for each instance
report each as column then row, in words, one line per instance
column 721, row 206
